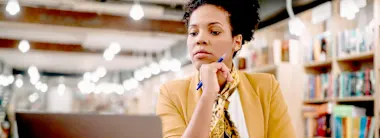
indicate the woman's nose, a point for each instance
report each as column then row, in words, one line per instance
column 202, row 39
column 201, row 42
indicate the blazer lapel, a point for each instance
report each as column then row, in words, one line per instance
column 253, row 113
column 192, row 97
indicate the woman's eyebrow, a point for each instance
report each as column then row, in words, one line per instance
column 214, row 23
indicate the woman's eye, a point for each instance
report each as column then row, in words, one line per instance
column 215, row 32
column 193, row 33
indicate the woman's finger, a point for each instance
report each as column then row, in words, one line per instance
column 224, row 69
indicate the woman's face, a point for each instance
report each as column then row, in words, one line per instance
column 209, row 36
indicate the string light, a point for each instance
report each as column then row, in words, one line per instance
column 33, row 97
column 154, row 68
column 101, row 72
column 13, row 7
column 137, row 12
column 24, row 46
column 19, row 83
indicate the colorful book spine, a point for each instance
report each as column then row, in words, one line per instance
column 359, row 83
column 320, row 86
column 363, row 125
column 354, row 127
column 355, row 41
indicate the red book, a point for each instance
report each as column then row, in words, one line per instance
column 368, row 127
column 367, row 82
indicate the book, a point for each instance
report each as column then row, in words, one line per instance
column 320, row 48
column 338, row 127
column 363, row 125
column 354, row 127
column 319, row 86
column 372, row 128
column 359, row 83
column 348, row 111
column 317, row 120
column 355, row 41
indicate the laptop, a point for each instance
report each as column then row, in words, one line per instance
column 54, row 125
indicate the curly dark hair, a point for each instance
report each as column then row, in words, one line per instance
column 243, row 14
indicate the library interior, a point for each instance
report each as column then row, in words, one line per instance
column 111, row 57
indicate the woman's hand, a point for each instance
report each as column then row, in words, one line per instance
column 213, row 76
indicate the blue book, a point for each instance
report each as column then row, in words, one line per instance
column 338, row 127
column 363, row 126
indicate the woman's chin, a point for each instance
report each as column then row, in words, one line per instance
column 198, row 63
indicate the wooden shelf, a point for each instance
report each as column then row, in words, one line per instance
column 265, row 69
column 357, row 57
column 319, row 64
column 345, row 99
column 317, row 101
column 316, row 137
column 355, row 99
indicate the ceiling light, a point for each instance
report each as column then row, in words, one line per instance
column 101, row 71
column 34, row 75
column 134, row 83
column 108, row 55
column 138, row 75
column 175, row 65
column 38, row 85
column 19, row 83
column 33, row 72
column 136, row 12
column 13, row 7
column 114, row 48
column 165, row 65
column 24, row 46
column 119, row 89
column 61, row 89
column 33, row 97
column 94, row 77
column 350, row 9
column 130, row 84
column 154, row 68
column 34, row 81
column 87, row 76
column 86, row 87
column 44, row 87
column 296, row 26
column 10, row 79
column 146, row 72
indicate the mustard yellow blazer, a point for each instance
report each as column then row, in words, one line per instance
column 265, row 111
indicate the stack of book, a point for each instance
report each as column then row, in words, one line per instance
column 320, row 48
column 352, row 122
column 319, row 86
column 355, row 41
column 317, row 120
column 360, row 83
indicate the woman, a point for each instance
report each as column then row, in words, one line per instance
column 229, row 103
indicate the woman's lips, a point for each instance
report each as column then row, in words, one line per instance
column 201, row 55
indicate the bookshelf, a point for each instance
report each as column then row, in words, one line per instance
column 331, row 65
column 340, row 100
column 358, row 57
column 356, row 99
column 317, row 101
column 343, row 66
column 319, row 64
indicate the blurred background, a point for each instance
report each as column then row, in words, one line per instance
column 111, row 56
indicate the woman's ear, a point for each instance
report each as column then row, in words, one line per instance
column 238, row 41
